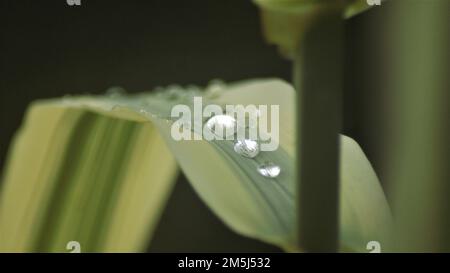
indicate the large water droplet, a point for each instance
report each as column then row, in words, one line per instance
column 247, row 147
column 269, row 169
column 222, row 125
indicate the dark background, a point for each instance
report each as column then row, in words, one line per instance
column 49, row 49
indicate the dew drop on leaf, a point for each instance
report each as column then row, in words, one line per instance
column 222, row 125
column 247, row 147
column 269, row 169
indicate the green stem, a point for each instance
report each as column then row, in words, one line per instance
column 418, row 154
column 318, row 80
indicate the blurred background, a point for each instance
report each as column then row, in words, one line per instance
column 49, row 49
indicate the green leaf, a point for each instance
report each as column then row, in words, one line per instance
column 96, row 169
column 73, row 175
column 285, row 22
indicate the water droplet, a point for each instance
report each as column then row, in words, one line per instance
column 222, row 125
column 269, row 169
column 247, row 147
column 215, row 88
column 115, row 92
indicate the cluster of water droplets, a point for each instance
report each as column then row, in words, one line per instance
column 221, row 125
column 224, row 125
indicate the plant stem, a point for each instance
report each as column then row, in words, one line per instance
column 318, row 81
column 418, row 153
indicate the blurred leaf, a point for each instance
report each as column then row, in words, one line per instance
column 74, row 175
column 286, row 21
column 95, row 169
